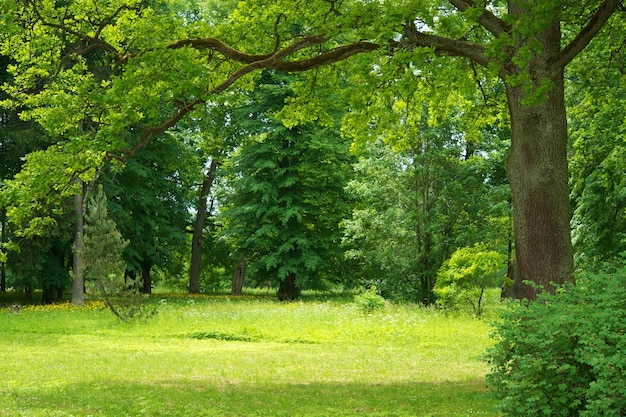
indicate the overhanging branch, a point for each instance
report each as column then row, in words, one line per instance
column 595, row 24
column 253, row 62
column 326, row 58
column 446, row 46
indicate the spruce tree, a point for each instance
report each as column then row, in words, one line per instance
column 103, row 248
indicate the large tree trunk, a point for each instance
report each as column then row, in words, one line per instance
column 198, row 228
column 538, row 174
column 78, row 283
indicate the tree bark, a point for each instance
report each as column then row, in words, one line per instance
column 146, row 277
column 537, row 170
column 198, row 228
column 78, row 283
column 238, row 277
column 3, row 266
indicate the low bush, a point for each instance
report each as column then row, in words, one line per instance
column 564, row 354
column 466, row 276
column 368, row 300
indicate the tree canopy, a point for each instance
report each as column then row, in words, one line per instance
column 105, row 78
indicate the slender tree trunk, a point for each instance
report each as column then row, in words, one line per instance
column 3, row 266
column 198, row 228
column 238, row 277
column 538, row 174
column 146, row 277
column 78, row 284
column 3, row 277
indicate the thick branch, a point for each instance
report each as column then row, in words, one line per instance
column 595, row 24
column 446, row 46
column 276, row 60
column 221, row 47
column 488, row 20
column 150, row 133
column 235, row 54
column 326, row 58
column 270, row 61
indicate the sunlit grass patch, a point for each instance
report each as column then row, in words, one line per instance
column 208, row 356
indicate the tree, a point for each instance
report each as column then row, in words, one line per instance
column 17, row 139
column 431, row 189
column 525, row 44
column 286, row 195
column 150, row 207
column 103, row 248
column 104, row 263
column 408, row 220
column 213, row 135
column 198, row 228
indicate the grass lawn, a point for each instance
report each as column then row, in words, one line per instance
column 248, row 356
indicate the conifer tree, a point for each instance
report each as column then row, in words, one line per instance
column 103, row 247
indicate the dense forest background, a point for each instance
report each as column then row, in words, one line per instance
column 383, row 166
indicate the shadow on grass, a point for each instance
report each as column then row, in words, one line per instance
column 194, row 398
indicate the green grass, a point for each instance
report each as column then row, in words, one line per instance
column 249, row 356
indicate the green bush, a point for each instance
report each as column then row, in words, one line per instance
column 564, row 354
column 368, row 300
column 466, row 276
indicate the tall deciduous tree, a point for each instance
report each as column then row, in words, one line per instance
column 150, row 205
column 214, row 135
column 165, row 60
column 287, row 195
column 416, row 204
column 198, row 228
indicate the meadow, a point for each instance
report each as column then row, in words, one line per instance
column 247, row 356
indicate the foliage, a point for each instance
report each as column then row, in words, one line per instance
column 41, row 262
column 150, row 205
column 379, row 236
column 467, row 274
column 564, row 355
column 311, row 358
column 415, row 204
column 284, row 198
column 598, row 141
column 368, row 300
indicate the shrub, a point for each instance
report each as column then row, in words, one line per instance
column 368, row 300
column 564, row 354
column 467, row 274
